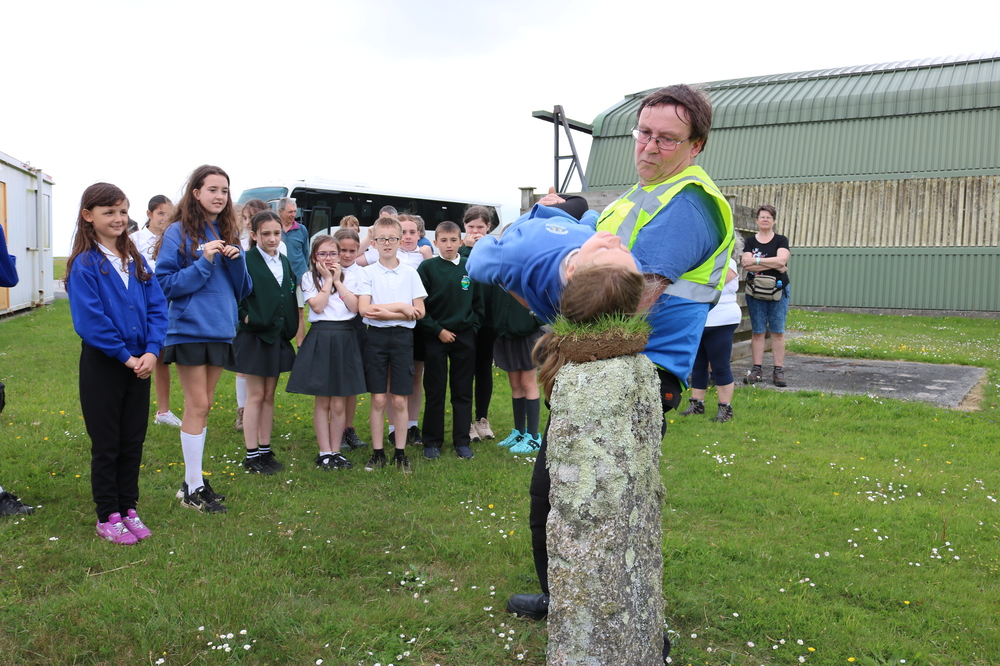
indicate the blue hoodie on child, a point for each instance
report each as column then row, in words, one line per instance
column 527, row 258
column 203, row 295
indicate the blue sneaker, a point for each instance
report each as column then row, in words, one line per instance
column 527, row 444
column 512, row 438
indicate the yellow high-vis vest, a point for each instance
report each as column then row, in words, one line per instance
column 634, row 209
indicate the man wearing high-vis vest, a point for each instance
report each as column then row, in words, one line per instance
column 680, row 229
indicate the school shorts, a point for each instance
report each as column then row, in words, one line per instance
column 389, row 360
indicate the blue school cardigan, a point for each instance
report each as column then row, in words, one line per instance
column 120, row 322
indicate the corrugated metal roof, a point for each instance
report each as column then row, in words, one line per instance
column 931, row 117
column 916, row 146
column 930, row 85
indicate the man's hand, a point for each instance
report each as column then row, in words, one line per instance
column 551, row 198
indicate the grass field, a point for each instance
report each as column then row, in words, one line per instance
column 811, row 528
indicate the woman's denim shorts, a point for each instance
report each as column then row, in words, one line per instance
column 771, row 315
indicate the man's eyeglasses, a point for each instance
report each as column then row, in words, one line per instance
column 327, row 255
column 662, row 142
column 386, row 241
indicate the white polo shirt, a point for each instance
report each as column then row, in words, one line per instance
column 336, row 309
column 390, row 285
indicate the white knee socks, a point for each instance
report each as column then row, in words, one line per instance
column 241, row 391
column 194, row 449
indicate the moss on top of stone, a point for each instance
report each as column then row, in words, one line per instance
column 609, row 336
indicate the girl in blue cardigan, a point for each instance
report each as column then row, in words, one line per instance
column 120, row 313
column 269, row 319
column 203, row 272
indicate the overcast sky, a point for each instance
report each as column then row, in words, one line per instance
column 424, row 96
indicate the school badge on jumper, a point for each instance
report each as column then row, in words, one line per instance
column 556, row 229
column 466, row 283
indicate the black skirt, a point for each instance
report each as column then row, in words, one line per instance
column 199, row 353
column 329, row 362
column 256, row 357
column 514, row 354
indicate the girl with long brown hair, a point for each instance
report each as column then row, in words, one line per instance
column 120, row 313
column 203, row 272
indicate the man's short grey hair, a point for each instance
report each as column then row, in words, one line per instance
column 284, row 201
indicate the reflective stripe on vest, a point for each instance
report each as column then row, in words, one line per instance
column 634, row 209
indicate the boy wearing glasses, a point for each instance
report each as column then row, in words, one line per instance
column 391, row 300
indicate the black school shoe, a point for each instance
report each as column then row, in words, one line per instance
column 377, row 461
column 180, row 493
column 534, row 606
column 401, row 462
column 203, row 500
column 351, row 440
column 10, row 505
column 270, row 461
column 332, row 461
column 413, row 435
column 256, row 465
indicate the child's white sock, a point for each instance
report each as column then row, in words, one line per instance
column 410, row 424
column 241, row 391
column 194, row 448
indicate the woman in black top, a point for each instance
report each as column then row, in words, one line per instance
column 766, row 253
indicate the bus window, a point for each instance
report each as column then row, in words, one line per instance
column 263, row 193
column 320, row 218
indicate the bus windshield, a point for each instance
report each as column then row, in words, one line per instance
column 263, row 193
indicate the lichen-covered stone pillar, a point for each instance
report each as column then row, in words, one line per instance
column 604, row 531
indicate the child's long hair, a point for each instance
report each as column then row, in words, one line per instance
column 103, row 194
column 317, row 277
column 192, row 216
column 259, row 219
column 595, row 290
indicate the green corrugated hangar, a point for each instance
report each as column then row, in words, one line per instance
column 886, row 177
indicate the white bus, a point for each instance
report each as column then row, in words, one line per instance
column 322, row 203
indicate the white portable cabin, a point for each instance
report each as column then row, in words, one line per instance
column 26, row 217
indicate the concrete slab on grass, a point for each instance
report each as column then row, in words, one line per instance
column 945, row 385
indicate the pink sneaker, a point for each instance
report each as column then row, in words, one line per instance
column 134, row 524
column 114, row 531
